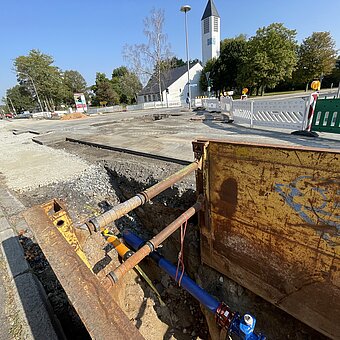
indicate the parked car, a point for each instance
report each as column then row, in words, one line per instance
column 25, row 114
column 6, row 115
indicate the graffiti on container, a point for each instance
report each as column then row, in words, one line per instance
column 317, row 201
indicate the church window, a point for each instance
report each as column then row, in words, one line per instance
column 206, row 25
column 211, row 41
column 215, row 24
column 145, row 99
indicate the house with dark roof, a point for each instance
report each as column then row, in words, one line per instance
column 174, row 82
column 174, row 86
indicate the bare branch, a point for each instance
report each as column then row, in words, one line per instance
column 147, row 60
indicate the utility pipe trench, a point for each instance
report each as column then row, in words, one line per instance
column 99, row 222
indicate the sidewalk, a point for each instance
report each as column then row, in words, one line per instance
column 26, row 314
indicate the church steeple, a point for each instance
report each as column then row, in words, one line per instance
column 210, row 10
column 211, row 36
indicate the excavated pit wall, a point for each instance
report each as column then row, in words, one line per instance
column 112, row 177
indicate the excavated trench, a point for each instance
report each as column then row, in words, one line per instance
column 113, row 177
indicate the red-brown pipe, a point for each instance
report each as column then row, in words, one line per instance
column 121, row 209
column 152, row 244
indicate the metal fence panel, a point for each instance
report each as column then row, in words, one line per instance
column 287, row 114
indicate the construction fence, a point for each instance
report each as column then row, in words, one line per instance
column 135, row 107
column 284, row 113
column 327, row 116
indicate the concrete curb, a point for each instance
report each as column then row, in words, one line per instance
column 37, row 320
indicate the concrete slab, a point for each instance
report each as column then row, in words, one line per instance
column 49, row 138
column 172, row 137
column 168, row 135
column 13, row 253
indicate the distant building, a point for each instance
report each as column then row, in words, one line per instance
column 211, row 33
column 174, row 85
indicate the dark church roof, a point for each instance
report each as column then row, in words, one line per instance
column 167, row 79
column 210, row 10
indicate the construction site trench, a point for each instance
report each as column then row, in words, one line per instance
column 106, row 179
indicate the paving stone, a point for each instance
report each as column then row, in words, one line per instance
column 10, row 204
column 4, row 225
column 13, row 253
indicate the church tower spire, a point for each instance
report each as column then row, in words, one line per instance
column 211, row 32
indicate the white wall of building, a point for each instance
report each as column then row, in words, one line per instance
column 179, row 89
column 211, row 41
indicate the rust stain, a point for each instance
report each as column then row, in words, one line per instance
column 227, row 202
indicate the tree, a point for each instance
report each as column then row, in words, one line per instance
column 47, row 78
column 126, row 84
column 104, row 91
column 22, row 100
column 334, row 77
column 228, row 66
column 74, row 83
column 316, row 57
column 208, row 69
column 150, row 59
column 271, row 56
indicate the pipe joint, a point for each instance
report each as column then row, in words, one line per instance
column 94, row 222
column 150, row 245
column 224, row 316
column 128, row 254
column 112, row 277
column 143, row 196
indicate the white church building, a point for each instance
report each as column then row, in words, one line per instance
column 174, row 82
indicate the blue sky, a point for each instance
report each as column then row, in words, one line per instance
column 88, row 36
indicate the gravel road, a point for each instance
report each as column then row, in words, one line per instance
column 27, row 165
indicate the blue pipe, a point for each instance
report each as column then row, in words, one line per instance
column 191, row 286
column 238, row 325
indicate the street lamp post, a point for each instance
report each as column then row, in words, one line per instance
column 35, row 89
column 185, row 9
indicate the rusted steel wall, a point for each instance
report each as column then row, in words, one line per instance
column 271, row 222
column 101, row 315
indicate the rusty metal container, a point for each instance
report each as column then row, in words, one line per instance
column 271, row 222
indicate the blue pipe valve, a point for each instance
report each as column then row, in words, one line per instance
column 244, row 327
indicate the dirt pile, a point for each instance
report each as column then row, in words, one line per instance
column 74, row 115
